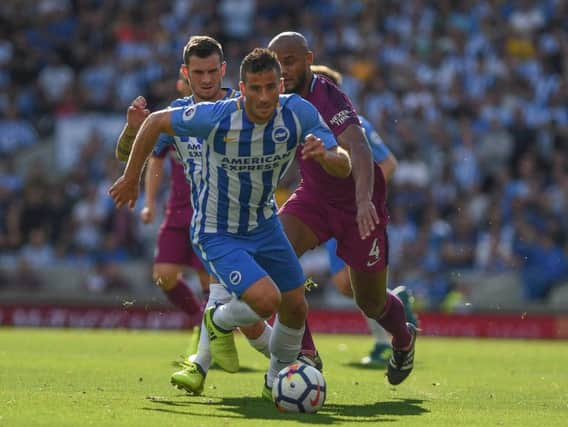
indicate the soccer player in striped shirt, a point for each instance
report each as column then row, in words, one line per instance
column 351, row 210
column 248, row 144
column 382, row 350
column 202, row 73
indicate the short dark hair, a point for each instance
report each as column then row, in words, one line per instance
column 202, row 47
column 259, row 60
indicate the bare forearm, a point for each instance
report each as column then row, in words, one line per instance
column 361, row 159
column 153, row 179
column 146, row 138
column 337, row 163
column 124, row 143
column 389, row 166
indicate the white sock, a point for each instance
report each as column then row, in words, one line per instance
column 377, row 331
column 262, row 343
column 285, row 344
column 217, row 294
column 234, row 313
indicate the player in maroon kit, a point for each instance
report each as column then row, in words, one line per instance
column 351, row 210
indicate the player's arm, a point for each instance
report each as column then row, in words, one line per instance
column 195, row 120
column 135, row 116
column 125, row 190
column 334, row 160
column 152, row 181
column 354, row 141
column 381, row 153
column 319, row 142
column 389, row 166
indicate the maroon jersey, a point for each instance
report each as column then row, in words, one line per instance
column 326, row 204
column 338, row 113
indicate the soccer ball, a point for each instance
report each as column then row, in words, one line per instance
column 299, row 388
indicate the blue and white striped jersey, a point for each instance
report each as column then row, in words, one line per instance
column 378, row 147
column 243, row 161
column 188, row 148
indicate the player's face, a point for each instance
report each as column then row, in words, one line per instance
column 261, row 92
column 205, row 76
column 295, row 65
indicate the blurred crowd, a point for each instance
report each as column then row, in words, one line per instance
column 470, row 95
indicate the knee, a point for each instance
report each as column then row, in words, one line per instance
column 165, row 278
column 268, row 304
column 343, row 284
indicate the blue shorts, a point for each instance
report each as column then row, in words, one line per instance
column 238, row 261
column 336, row 264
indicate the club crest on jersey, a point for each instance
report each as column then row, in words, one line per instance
column 235, row 277
column 280, row 135
column 189, row 113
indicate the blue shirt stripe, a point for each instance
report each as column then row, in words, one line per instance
column 266, row 193
column 222, row 199
column 244, row 199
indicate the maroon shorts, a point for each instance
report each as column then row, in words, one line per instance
column 174, row 247
column 327, row 221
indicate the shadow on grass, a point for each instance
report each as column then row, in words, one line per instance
column 257, row 408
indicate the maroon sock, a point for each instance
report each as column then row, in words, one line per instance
column 308, row 342
column 393, row 320
column 182, row 297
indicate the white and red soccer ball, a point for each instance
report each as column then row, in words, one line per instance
column 299, row 388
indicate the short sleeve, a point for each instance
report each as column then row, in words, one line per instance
column 198, row 120
column 338, row 111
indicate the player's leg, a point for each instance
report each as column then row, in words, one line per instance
column 305, row 224
column 258, row 336
column 173, row 253
column 371, row 295
column 277, row 257
column 257, row 302
column 257, row 297
column 192, row 377
column 299, row 234
column 381, row 351
column 169, row 278
column 368, row 271
column 286, row 338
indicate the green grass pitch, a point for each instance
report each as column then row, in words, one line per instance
column 51, row 377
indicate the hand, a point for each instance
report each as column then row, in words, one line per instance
column 124, row 191
column 313, row 148
column 367, row 218
column 137, row 113
column 148, row 214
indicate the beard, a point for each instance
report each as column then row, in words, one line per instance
column 297, row 88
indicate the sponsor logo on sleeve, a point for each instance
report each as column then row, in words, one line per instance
column 340, row 118
column 188, row 113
